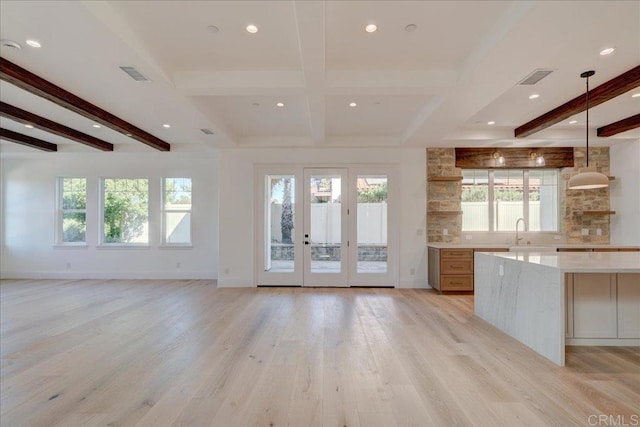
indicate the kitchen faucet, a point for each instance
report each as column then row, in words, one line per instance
column 525, row 228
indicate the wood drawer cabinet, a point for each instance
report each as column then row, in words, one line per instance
column 451, row 269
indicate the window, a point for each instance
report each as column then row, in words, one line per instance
column 72, row 212
column 176, row 215
column 493, row 200
column 125, row 211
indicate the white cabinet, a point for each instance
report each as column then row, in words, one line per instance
column 628, row 305
column 594, row 305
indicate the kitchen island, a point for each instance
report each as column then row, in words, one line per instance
column 547, row 300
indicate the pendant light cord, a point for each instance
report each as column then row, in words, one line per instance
column 587, row 121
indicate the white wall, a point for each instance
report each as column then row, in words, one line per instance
column 237, row 222
column 28, row 217
column 625, row 193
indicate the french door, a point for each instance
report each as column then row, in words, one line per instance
column 325, row 227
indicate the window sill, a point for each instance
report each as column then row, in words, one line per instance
column 70, row 246
column 118, row 246
column 176, row 246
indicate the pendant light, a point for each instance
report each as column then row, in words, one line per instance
column 588, row 177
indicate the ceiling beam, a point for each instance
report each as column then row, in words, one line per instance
column 603, row 93
column 32, row 83
column 27, row 118
column 620, row 126
column 26, row 140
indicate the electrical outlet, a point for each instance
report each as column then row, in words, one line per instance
column 419, row 232
column 501, row 270
column 599, row 232
column 557, row 237
column 226, row 270
column 585, row 231
column 178, row 264
column 68, row 265
column 412, row 271
column 468, row 237
column 445, row 232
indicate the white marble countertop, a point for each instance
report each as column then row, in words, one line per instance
column 506, row 245
column 579, row 262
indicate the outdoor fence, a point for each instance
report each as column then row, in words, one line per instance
column 325, row 223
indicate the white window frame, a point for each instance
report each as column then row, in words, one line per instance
column 164, row 211
column 60, row 211
column 101, row 241
column 525, row 201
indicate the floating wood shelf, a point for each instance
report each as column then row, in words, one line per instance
column 444, row 178
column 445, row 212
column 595, row 212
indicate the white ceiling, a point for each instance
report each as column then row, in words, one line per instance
column 436, row 86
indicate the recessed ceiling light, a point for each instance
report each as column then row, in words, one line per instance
column 34, row 43
column 252, row 29
column 166, row 125
column 636, row 95
column 371, row 28
column 279, row 104
column 534, row 96
column 29, row 126
column 607, row 51
column 491, row 123
column 573, row 122
column 213, row 29
column 410, row 28
column 97, row 126
column 353, row 104
column 10, row 44
column 127, row 134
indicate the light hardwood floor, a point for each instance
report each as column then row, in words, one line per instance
column 161, row 353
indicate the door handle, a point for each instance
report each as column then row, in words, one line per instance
column 306, row 242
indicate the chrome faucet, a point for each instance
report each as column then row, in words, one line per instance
column 525, row 228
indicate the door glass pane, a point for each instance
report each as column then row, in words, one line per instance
column 325, row 223
column 372, row 223
column 279, row 220
column 508, row 193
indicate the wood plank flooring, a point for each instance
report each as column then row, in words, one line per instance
column 184, row 353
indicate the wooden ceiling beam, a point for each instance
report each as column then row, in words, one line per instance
column 32, row 83
column 620, row 126
column 27, row 118
column 603, row 93
column 27, row 140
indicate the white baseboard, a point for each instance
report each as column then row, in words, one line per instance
column 203, row 275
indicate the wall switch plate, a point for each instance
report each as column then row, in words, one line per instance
column 556, row 237
column 501, row 270
column 412, row 271
column 445, row 232
column 419, row 232
column 599, row 232
column 585, row 231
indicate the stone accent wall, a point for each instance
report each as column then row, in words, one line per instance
column 443, row 196
column 580, row 200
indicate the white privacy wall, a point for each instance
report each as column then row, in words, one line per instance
column 28, row 217
column 237, row 210
column 625, row 193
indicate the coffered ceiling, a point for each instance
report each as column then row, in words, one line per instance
column 433, row 74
